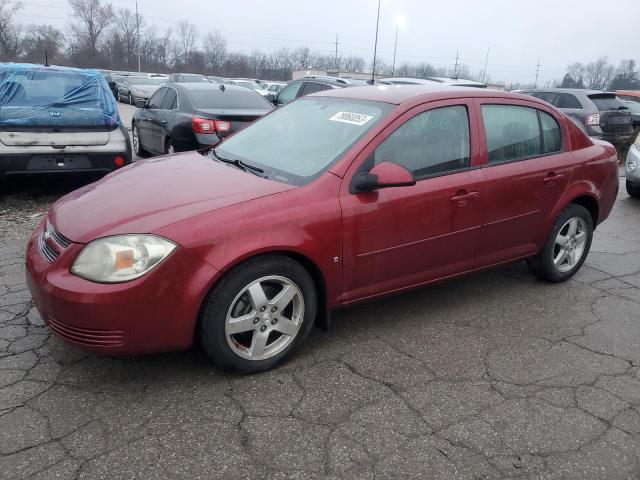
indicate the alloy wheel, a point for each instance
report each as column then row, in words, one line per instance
column 135, row 139
column 264, row 318
column 570, row 244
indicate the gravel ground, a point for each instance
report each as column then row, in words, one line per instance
column 497, row 375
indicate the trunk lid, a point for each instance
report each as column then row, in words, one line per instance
column 615, row 117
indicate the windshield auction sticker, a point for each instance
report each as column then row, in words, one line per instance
column 352, row 118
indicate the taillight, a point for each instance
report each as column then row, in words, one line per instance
column 204, row 125
column 118, row 161
column 593, row 119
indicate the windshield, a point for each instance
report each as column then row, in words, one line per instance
column 298, row 142
column 248, row 84
column 193, row 79
column 147, row 81
column 41, row 97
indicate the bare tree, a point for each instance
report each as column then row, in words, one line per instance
column 215, row 50
column 187, row 36
column 599, row 73
column 124, row 37
column 9, row 31
column 94, row 17
column 41, row 38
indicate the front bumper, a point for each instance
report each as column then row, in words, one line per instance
column 633, row 156
column 154, row 313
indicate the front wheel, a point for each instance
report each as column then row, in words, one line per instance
column 567, row 247
column 130, row 99
column 258, row 314
column 137, row 144
column 633, row 189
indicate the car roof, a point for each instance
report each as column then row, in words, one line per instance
column 397, row 94
column 23, row 67
column 583, row 91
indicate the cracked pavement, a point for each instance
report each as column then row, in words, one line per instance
column 497, row 375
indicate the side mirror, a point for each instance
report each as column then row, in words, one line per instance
column 141, row 103
column 384, row 175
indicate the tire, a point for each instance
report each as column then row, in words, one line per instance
column 129, row 99
column 137, row 145
column 633, row 190
column 264, row 319
column 169, row 149
column 543, row 264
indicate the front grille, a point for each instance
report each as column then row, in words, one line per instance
column 46, row 251
column 86, row 336
column 51, row 235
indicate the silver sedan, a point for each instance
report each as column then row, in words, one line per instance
column 632, row 169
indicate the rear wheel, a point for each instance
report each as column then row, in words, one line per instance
column 633, row 189
column 135, row 139
column 168, row 147
column 258, row 314
column 130, row 99
column 567, row 246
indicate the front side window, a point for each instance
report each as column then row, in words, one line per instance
column 156, row 100
column 301, row 140
column 513, row 132
column 566, row 100
column 289, row 93
column 433, row 142
column 169, row 102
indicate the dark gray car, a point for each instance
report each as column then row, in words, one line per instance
column 601, row 114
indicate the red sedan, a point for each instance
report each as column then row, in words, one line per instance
column 336, row 198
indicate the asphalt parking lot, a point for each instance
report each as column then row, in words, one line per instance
column 494, row 376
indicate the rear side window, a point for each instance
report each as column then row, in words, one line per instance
column 230, row 98
column 431, row 143
column 513, row 132
column 551, row 137
column 606, row 102
column 546, row 96
column 566, row 100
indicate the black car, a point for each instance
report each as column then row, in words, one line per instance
column 187, row 116
column 307, row 85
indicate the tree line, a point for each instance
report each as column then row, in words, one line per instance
column 102, row 36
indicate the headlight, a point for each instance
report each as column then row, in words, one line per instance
column 121, row 258
column 631, row 166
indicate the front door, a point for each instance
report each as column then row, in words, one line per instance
column 404, row 236
column 146, row 121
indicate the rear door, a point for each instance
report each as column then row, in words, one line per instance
column 527, row 167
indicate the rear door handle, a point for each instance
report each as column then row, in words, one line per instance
column 552, row 178
column 164, row 122
column 463, row 197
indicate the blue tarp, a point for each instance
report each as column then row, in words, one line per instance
column 38, row 96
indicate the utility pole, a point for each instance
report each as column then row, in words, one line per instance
column 336, row 43
column 486, row 61
column 455, row 67
column 537, row 74
column 138, row 35
column 375, row 47
column 395, row 49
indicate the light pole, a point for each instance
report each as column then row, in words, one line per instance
column 399, row 21
column 375, row 47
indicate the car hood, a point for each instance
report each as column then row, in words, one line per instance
column 153, row 193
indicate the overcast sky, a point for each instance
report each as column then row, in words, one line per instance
column 558, row 32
